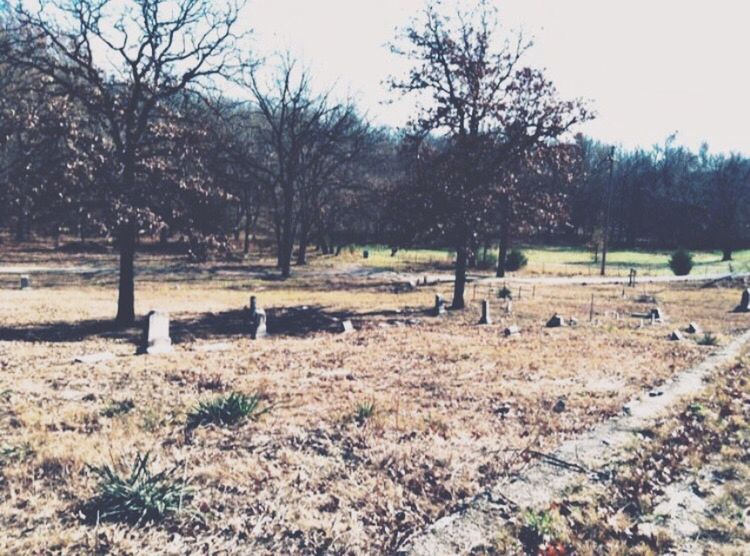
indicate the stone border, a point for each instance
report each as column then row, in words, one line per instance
column 549, row 476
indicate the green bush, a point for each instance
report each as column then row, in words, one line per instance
column 225, row 410
column 139, row 497
column 681, row 262
column 363, row 412
column 515, row 260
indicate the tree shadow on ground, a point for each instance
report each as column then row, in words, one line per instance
column 288, row 321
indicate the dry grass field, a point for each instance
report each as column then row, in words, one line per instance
column 361, row 438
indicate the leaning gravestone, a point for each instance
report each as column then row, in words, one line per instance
column 347, row 327
column 439, row 305
column 486, row 316
column 556, row 321
column 258, row 324
column 745, row 301
column 25, row 282
column 157, row 333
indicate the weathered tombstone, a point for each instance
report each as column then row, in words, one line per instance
column 745, row 301
column 556, row 321
column 258, row 324
column 656, row 314
column 675, row 336
column 512, row 331
column 157, row 338
column 486, row 316
column 439, row 305
column 347, row 327
column 693, row 328
column 25, row 282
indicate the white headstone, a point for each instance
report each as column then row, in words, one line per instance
column 157, row 333
column 439, row 305
column 258, row 324
column 346, row 327
column 486, row 316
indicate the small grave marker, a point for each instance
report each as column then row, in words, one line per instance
column 347, row 327
column 25, row 282
column 486, row 316
column 512, row 331
column 675, row 336
column 157, row 333
column 693, row 328
column 258, row 324
column 745, row 301
column 439, row 305
column 556, row 321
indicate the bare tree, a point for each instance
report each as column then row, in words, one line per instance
column 307, row 139
column 123, row 61
column 478, row 94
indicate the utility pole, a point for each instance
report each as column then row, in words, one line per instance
column 608, row 214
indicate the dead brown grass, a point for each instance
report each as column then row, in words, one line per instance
column 453, row 404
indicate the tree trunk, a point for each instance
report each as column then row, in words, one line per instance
column 460, row 284
column 126, row 294
column 726, row 254
column 246, row 246
column 502, row 252
column 304, row 241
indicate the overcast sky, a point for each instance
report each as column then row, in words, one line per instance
column 651, row 67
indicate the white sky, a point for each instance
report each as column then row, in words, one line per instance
column 651, row 67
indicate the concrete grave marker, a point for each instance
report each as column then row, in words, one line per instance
column 347, row 327
column 556, row 321
column 95, row 357
column 745, row 301
column 486, row 316
column 657, row 315
column 439, row 305
column 258, row 324
column 675, row 336
column 157, row 333
column 25, row 282
column 512, row 331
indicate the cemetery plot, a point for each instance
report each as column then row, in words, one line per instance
column 311, row 439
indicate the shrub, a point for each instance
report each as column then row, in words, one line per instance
column 226, row 410
column 681, row 262
column 708, row 340
column 504, row 293
column 364, row 411
column 140, row 497
column 515, row 260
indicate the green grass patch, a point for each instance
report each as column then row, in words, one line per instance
column 226, row 410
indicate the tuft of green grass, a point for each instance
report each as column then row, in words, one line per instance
column 118, row 408
column 363, row 412
column 139, row 496
column 226, row 410
column 708, row 340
